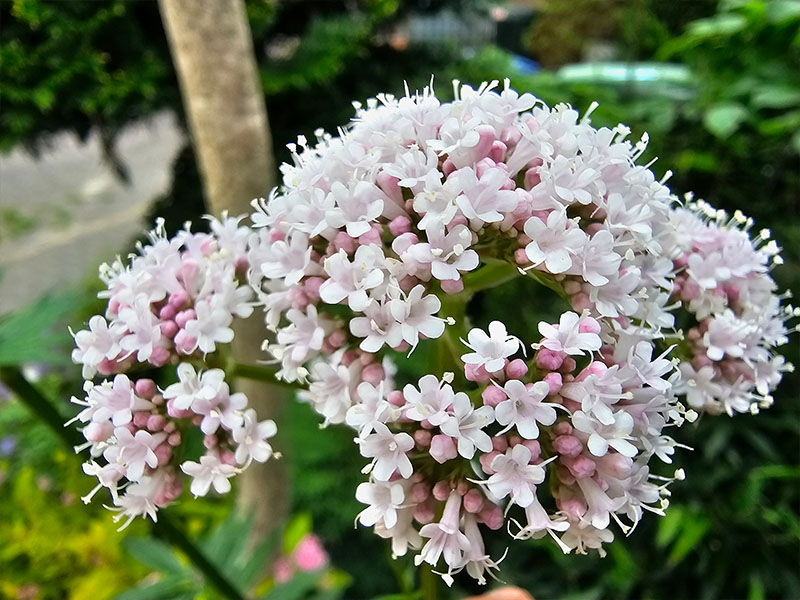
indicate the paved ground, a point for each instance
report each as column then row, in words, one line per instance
column 65, row 212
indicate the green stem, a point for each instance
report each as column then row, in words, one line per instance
column 39, row 405
column 429, row 582
column 259, row 373
column 165, row 529
column 494, row 273
column 44, row 410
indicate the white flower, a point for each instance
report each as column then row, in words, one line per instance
column 467, row 424
column 446, row 539
column 252, row 438
column 415, row 315
column 436, row 201
column 371, row 408
column 355, row 206
column 133, row 452
column 203, row 386
column 385, row 499
column 209, row 471
column 377, row 327
column 303, row 335
column 352, row 280
column 553, row 243
column 490, row 351
column 483, row 199
column 114, row 401
column 599, row 262
column 388, row 451
column 330, row 390
column 524, row 408
column 100, row 341
column 144, row 329
column 450, row 254
column 211, row 325
column 430, row 402
column 601, row 436
column 515, row 477
column 287, row 261
column 573, row 335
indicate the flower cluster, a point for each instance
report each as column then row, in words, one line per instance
column 173, row 304
column 375, row 231
column 373, row 246
column 737, row 320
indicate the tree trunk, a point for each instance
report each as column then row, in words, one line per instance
column 212, row 49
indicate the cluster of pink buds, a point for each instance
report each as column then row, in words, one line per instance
column 172, row 305
column 736, row 320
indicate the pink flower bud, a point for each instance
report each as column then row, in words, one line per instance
column 156, row 423
column 535, row 448
column 276, row 235
column 516, row 369
column 342, row 241
column 549, row 360
column 448, row 166
column 555, row 381
column 210, row 441
column 486, row 461
column 337, row 338
column 498, row 151
column 424, row 513
column 452, row 286
column 580, row 302
column 176, row 413
column 98, row 432
column 588, row 325
column 420, row 492
column 145, row 388
column 521, row 257
column 312, row 285
column 499, row 443
column 492, row 395
column 169, row 328
column 400, row 225
column 373, row 236
column 185, row 343
column 159, row 356
column 163, row 453
column 408, row 282
column 178, row 300
column 456, row 221
column 568, row 366
column 476, row 374
column 166, row 313
column 441, row 490
column 443, row 448
column 532, row 178
column 140, row 419
column 422, row 437
column 388, row 183
column 174, row 439
column 473, row 501
column 562, row 428
column 581, row 467
column 573, row 508
column 183, row 317
column 282, row 571
column 492, row 516
column 396, row 398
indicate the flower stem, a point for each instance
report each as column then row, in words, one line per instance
column 259, row 373
column 39, row 405
column 429, row 582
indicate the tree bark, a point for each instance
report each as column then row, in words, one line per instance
column 212, row 49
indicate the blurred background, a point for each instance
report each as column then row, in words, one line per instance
column 95, row 144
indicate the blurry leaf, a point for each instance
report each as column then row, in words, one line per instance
column 167, row 589
column 693, row 529
column 35, row 332
column 756, row 591
column 669, row 525
column 724, row 119
column 296, row 588
column 154, row 554
column 228, row 540
column 296, row 530
column 796, row 141
column 779, row 11
column 697, row 160
column 777, row 96
column 720, row 25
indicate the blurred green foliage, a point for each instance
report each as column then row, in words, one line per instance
column 733, row 529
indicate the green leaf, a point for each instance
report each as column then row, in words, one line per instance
column 719, row 25
column 779, row 11
column 724, row 119
column 296, row 588
column 693, row 529
column 170, row 588
column 776, row 96
column 154, row 554
column 296, row 530
column 34, row 333
column 796, row 141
